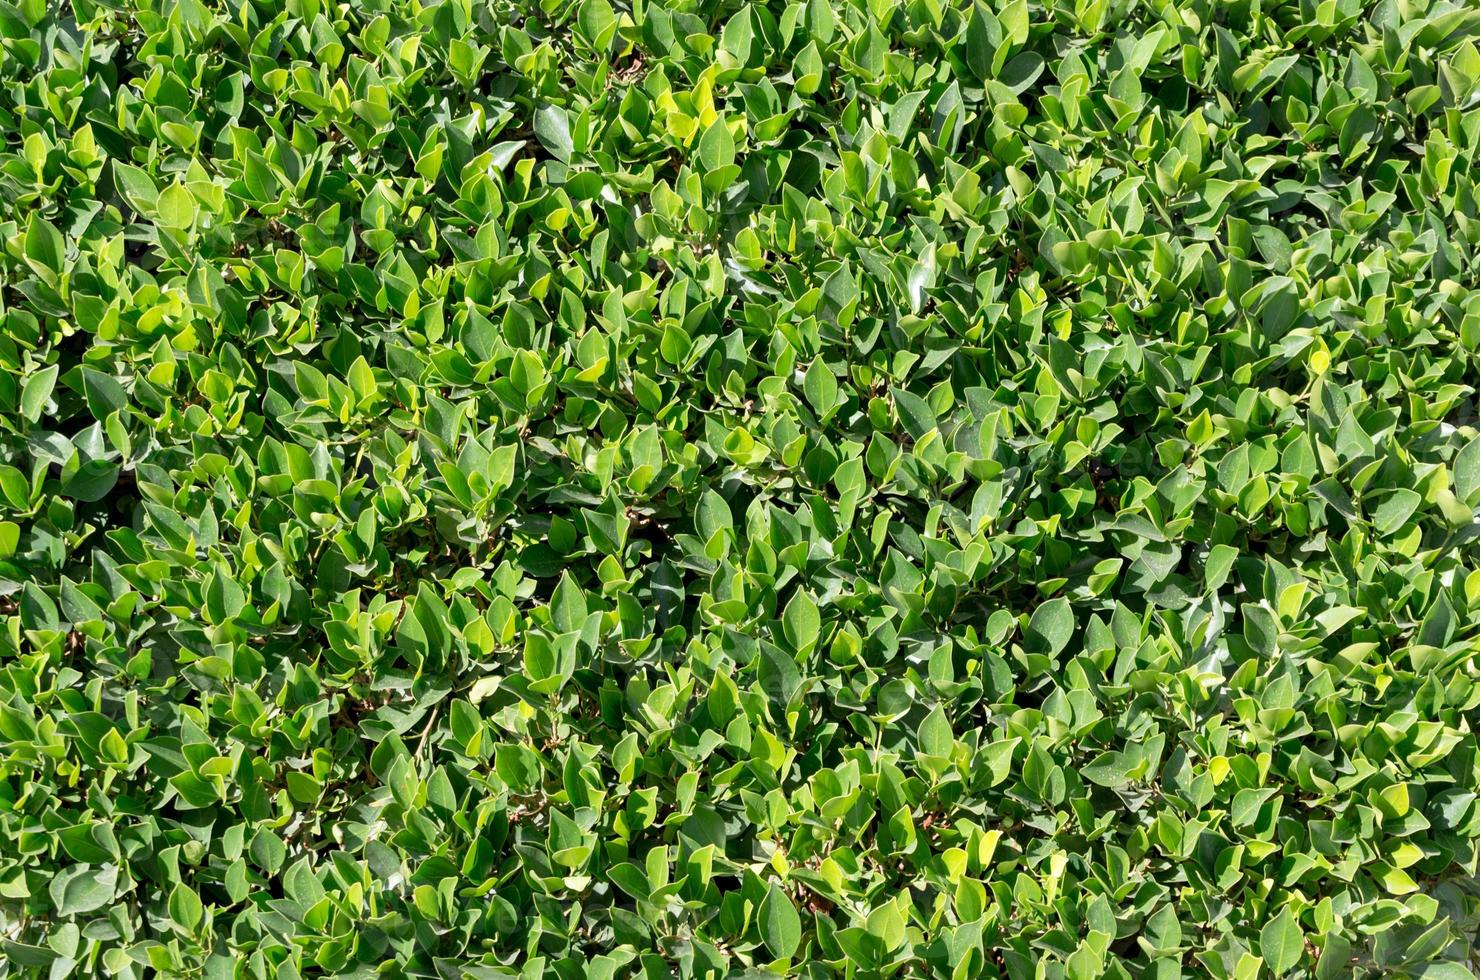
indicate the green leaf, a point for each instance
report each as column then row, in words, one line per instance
column 1050, row 627
column 1395, row 510
column 224, row 599
column 104, row 395
column 675, row 345
column 820, row 387
column 91, row 481
column 915, row 412
column 1247, row 804
column 16, row 487
column 568, row 608
column 176, row 207
column 922, row 278
column 81, row 889
column 185, row 907
column 1281, row 943
column 716, row 147
column 713, row 514
column 935, row 733
column 1110, row 769
column 1444, row 970
column 44, row 245
column 1164, row 930
column 983, row 35
column 1467, row 473
column 35, row 392
column 135, row 186
column 1218, row 565
column 552, row 127
column 596, row 23
column 801, row 622
column 781, row 927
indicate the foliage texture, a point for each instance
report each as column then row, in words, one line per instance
column 691, row 487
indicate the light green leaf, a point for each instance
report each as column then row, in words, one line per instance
column 801, row 622
column 176, row 207
column 35, row 392
column 1281, row 942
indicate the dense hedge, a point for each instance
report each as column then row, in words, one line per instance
column 826, row 488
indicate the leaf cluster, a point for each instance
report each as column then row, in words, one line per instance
column 709, row 488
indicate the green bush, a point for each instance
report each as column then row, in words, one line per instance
column 955, row 488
